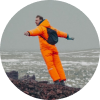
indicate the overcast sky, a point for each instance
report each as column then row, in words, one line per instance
column 62, row 16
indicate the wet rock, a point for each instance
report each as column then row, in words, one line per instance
column 42, row 89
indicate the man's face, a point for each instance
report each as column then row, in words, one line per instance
column 37, row 21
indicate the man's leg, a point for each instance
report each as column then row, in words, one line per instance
column 48, row 58
column 58, row 65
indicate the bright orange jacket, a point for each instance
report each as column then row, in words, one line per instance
column 41, row 30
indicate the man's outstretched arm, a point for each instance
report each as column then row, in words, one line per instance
column 60, row 33
column 64, row 35
column 34, row 32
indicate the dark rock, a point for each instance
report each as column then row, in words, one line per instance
column 43, row 82
column 59, row 91
column 26, row 92
column 27, row 77
column 12, row 74
column 41, row 89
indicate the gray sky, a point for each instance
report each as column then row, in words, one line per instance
column 62, row 16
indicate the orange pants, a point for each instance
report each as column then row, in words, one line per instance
column 54, row 65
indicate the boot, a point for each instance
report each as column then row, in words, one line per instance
column 62, row 82
column 57, row 82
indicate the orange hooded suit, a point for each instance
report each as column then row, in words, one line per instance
column 50, row 52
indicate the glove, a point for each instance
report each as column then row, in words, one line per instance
column 68, row 38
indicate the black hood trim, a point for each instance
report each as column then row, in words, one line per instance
column 41, row 22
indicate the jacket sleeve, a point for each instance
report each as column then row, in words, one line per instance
column 35, row 32
column 60, row 33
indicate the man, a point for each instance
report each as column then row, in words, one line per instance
column 49, row 52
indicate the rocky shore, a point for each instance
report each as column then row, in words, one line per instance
column 40, row 89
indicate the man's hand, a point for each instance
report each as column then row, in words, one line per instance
column 68, row 38
column 27, row 33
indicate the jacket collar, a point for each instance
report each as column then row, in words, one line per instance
column 41, row 22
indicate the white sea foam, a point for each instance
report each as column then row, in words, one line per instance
column 74, row 52
column 66, row 64
column 4, row 53
column 88, row 63
column 69, row 68
column 25, row 63
column 38, row 62
column 96, row 56
column 37, row 52
column 75, row 56
column 69, row 80
column 69, row 85
column 76, row 62
column 33, row 63
column 77, row 79
column 96, row 52
column 30, row 72
column 10, row 60
column 43, row 77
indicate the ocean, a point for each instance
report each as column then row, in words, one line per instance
column 79, row 66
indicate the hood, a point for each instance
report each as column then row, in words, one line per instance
column 45, row 23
